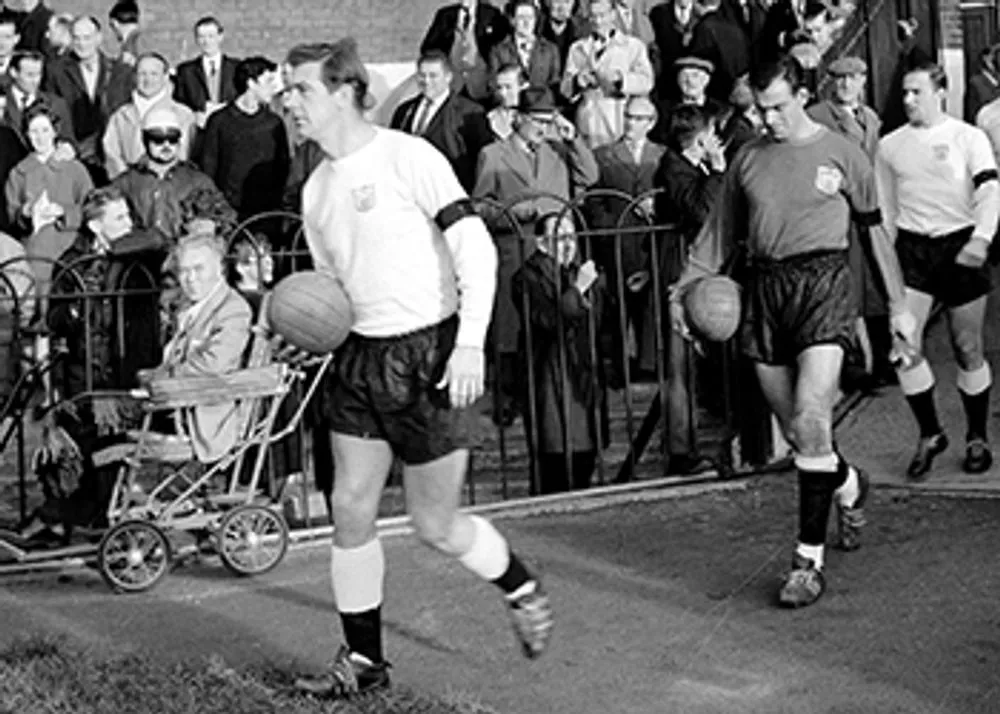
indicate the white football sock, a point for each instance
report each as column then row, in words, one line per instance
column 849, row 491
column 489, row 554
column 811, row 552
column 357, row 576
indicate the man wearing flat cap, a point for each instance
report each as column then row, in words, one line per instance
column 845, row 113
column 694, row 74
column 545, row 156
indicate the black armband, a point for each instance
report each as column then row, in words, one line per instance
column 984, row 176
column 868, row 218
column 453, row 213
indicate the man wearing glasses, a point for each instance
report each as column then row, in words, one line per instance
column 627, row 167
column 160, row 183
column 544, row 157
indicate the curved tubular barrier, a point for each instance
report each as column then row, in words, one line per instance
column 603, row 218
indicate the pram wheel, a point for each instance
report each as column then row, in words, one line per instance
column 133, row 556
column 252, row 539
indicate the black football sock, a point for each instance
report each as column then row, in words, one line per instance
column 977, row 407
column 816, row 490
column 363, row 633
column 514, row 577
column 922, row 405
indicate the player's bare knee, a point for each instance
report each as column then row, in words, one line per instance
column 968, row 347
column 354, row 514
column 810, row 431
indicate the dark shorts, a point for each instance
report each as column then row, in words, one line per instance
column 929, row 267
column 798, row 302
column 384, row 388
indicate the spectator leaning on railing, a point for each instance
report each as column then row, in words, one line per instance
column 562, row 313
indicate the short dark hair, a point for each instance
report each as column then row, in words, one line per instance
column 249, row 69
column 40, row 109
column 125, row 12
column 339, row 63
column 153, row 55
column 26, row 55
column 99, row 199
column 785, row 68
column 209, row 20
column 7, row 17
column 686, row 122
column 939, row 78
column 438, row 56
column 522, row 75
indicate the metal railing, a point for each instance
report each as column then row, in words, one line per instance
column 631, row 411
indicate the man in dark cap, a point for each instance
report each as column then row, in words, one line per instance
column 545, row 156
column 694, row 76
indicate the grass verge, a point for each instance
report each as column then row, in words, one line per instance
column 49, row 675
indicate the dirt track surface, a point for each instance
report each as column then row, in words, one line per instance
column 662, row 607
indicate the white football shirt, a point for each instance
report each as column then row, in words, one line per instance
column 369, row 217
column 927, row 178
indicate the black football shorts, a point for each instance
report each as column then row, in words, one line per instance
column 798, row 302
column 386, row 389
column 929, row 267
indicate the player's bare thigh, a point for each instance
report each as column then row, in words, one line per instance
column 920, row 305
column 361, row 468
column 817, row 386
column 433, row 495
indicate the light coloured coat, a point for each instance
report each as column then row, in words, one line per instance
column 212, row 343
column 600, row 115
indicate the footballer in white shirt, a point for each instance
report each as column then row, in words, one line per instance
column 937, row 180
column 385, row 213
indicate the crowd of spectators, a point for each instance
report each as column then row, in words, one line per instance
column 534, row 104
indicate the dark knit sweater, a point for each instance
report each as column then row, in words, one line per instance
column 247, row 157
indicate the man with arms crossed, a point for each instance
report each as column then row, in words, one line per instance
column 937, row 178
column 385, row 213
column 793, row 193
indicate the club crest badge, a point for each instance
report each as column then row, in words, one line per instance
column 940, row 152
column 364, row 198
column 828, row 180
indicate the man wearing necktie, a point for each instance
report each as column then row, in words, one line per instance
column 455, row 125
column 206, row 83
column 846, row 113
column 26, row 71
column 538, row 57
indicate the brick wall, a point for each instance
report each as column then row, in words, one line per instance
column 386, row 30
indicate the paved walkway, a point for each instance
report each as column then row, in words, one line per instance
column 881, row 434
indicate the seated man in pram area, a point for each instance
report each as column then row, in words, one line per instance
column 211, row 338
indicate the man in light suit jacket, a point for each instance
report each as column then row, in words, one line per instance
column 211, row 338
column 456, row 126
column 538, row 57
column 207, row 82
column 627, row 167
column 545, row 155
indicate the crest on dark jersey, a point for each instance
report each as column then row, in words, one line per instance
column 364, row 197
